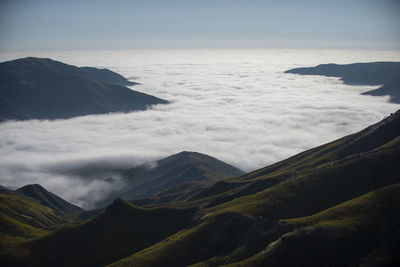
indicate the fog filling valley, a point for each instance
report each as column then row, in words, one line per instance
column 236, row 105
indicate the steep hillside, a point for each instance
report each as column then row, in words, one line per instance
column 37, row 88
column 385, row 74
column 48, row 199
column 119, row 231
column 360, row 232
column 23, row 218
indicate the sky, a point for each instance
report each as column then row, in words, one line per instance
column 27, row 25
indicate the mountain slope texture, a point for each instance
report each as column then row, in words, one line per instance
column 40, row 88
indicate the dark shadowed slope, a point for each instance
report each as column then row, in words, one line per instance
column 119, row 231
column 48, row 199
column 37, row 88
column 106, row 76
column 360, row 232
column 5, row 190
column 386, row 74
column 176, row 173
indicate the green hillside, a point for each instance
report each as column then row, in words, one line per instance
column 22, row 218
column 334, row 205
column 363, row 232
column 309, row 183
column 119, row 231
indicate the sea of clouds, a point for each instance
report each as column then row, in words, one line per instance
column 236, row 105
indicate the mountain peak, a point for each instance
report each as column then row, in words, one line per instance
column 46, row 198
column 118, row 204
column 34, row 186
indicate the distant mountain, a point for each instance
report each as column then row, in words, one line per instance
column 173, row 175
column 105, row 76
column 5, row 190
column 48, row 199
column 386, row 74
column 40, row 88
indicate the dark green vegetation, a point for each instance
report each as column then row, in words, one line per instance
column 22, row 218
column 39, row 88
column 386, row 74
column 170, row 178
column 335, row 205
column 30, row 212
column 120, row 230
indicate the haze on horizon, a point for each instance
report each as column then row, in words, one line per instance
column 107, row 25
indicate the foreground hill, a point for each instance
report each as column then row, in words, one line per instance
column 40, row 88
column 48, row 199
column 119, row 231
column 334, row 205
column 169, row 178
column 23, row 218
column 385, row 74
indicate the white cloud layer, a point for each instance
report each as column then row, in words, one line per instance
column 236, row 105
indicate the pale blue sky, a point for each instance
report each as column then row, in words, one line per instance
column 27, row 25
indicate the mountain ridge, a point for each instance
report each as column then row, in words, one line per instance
column 35, row 88
column 48, row 199
column 384, row 74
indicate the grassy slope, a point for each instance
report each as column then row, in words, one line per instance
column 21, row 219
column 119, row 231
column 353, row 166
column 362, row 231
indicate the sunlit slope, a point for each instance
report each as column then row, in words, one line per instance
column 320, row 179
column 22, row 218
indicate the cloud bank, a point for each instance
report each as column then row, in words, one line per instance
column 237, row 106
